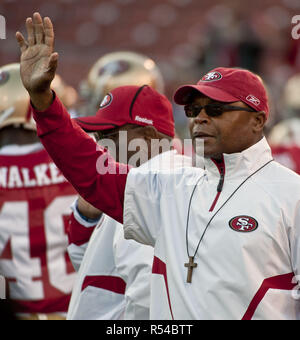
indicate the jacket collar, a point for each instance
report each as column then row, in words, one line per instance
column 242, row 164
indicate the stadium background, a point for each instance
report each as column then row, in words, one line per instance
column 185, row 37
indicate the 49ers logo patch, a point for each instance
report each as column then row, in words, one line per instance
column 106, row 100
column 212, row 76
column 244, row 224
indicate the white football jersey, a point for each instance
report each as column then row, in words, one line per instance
column 247, row 235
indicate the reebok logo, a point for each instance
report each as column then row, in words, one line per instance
column 252, row 99
column 144, row 120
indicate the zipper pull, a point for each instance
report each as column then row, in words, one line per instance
column 221, row 181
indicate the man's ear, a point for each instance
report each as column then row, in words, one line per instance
column 260, row 119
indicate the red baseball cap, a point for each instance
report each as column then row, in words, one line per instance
column 132, row 105
column 228, row 85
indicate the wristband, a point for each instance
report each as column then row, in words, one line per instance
column 87, row 219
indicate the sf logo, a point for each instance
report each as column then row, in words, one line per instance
column 296, row 28
column 2, row 27
column 243, row 223
column 212, row 76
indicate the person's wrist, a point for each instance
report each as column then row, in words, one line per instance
column 87, row 216
column 42, row 100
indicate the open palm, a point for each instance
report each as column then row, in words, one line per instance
column 38, row 62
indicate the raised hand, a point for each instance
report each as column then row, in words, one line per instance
column 38, row 61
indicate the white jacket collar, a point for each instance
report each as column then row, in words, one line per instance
column 242, row 164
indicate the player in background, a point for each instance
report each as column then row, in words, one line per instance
column 113, row 280
column 285, row 136
column 110, row 71
column 34, row 207
column 114, row 277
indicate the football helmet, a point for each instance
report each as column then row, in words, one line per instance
column 67, row 94
column 287, row 131
column 14, row 99
column 291, row 97
column 119, row 69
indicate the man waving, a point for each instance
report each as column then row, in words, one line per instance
column 226, row 239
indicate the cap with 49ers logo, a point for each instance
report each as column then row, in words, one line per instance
column 228, row 85
column 132, row 105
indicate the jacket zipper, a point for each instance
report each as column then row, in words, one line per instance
column 221, row 168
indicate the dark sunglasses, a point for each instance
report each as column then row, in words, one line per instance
column 212, row 110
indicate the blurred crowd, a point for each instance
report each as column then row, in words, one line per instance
column 186, row 38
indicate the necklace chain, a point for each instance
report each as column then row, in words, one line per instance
column 209, row 222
